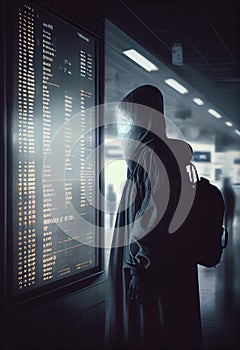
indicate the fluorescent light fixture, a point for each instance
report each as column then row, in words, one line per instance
column 228, row 123
column 141, row 60
column 175, row 85
column 198, row 101
column 214, row 113
column 237, row 132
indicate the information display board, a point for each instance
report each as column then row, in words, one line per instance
column 55, row 84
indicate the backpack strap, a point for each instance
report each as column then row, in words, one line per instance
column 194, row 173
column 225, row 233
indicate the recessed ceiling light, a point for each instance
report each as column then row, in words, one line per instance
column 214, row 113
column 198, row 101
column 140, row 59
column 228, row 123
column 175, row 85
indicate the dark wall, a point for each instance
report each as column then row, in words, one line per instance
column 74, row 321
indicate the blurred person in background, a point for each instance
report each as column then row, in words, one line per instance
column 230, row 200
column 111, row 203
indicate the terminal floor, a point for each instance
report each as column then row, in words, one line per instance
column 220, row 297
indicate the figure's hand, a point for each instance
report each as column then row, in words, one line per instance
column 137, row 288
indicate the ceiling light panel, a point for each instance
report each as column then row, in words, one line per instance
column 175, row 85
column 214, row 113
column 237, row 132
column 198, row 101
column 140, row 60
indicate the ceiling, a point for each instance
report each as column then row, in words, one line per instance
column 208, row 32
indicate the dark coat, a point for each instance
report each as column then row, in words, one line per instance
column 170, row 314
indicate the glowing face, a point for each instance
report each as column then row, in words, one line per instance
column 124, row 122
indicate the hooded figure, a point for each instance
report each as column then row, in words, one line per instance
column 152, row 295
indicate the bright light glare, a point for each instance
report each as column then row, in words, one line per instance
column 198, row 101
column 175, row 85
column 141, row 60
column 214, row 113
column 228, row 123
column 116, row 173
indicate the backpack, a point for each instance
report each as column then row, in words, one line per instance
column 202, row 233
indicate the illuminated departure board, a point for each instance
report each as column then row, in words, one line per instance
column 53, row 132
